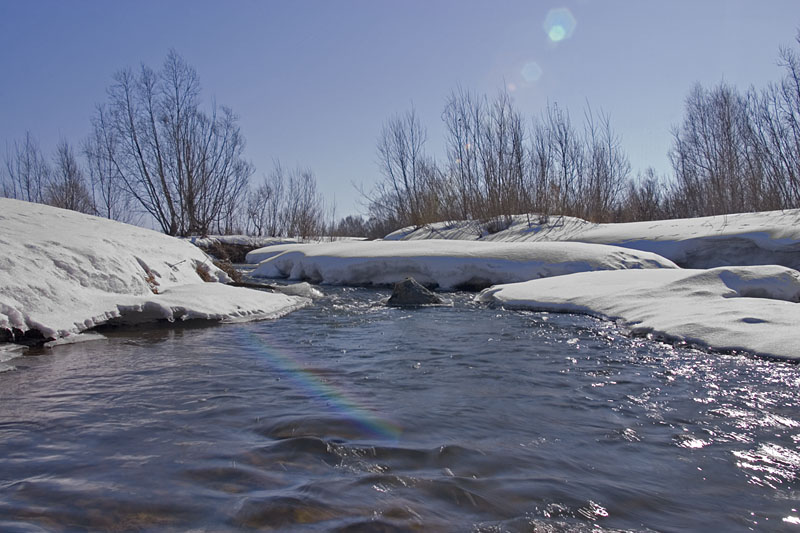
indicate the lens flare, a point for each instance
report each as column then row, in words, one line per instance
column 531, row 72
column 557, row 33
column 559, row 24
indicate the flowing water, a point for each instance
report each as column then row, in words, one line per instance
column 350, row 416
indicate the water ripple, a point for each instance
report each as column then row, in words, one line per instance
column 348, row 416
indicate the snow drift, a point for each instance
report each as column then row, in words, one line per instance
column 763, row 238
column 63, row 272
column 751, row 308
column 441, row 263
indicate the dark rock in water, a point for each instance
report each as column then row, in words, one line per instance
column 409, row 292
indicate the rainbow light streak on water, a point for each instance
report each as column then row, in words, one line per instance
column 334, row 398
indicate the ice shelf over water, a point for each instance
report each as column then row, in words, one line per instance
column 446, row 264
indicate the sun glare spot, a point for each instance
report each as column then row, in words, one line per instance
column 559, row 24
column 532, row 72
column 557, row 33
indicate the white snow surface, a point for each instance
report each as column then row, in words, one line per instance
column 446, row 264
column 750, row 308
column 771, row 237
column 63, row 272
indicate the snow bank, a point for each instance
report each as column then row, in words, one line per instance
column 262, row 254
column 444, row 264
column 63, row 272
column 771, row 237
column 751, row 308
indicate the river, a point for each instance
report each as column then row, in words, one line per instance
column 351, row 416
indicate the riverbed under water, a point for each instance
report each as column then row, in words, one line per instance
column 350, row 416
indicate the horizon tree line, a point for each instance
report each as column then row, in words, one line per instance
column 154, row 152
column 732, row 152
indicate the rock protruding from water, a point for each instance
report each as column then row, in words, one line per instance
column 410, row 292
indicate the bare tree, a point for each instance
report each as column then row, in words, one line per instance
column 257, row 201
column 286, row 203
column 503, row 157
column 487, row 156
column 109, row 195
column 558, row 159
column 304, row 212
column 776, row 118
column 644, row 199
column 715, row 162
column 265, row 204
column 400, row 153
column 351, row 226
column 67, row 187
column 27, row 171
column 182, row 166
column 606, row 169
column 542, row 164
column 464, row 118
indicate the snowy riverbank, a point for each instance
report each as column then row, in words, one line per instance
column 445, row 264
column 752, row 308
column 764, row 238
column 739, row 291
column 63, row 272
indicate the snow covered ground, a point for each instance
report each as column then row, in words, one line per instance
column 740, row 290
column 63, row 272
column 445, row 264
column 752, row 308
column 763, row 238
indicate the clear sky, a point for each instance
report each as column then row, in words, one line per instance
column 313, row 81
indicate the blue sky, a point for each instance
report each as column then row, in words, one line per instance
column 313, row 81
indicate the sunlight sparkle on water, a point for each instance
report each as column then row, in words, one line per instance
column 559, row 24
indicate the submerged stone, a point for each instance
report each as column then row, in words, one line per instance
column 410, row 292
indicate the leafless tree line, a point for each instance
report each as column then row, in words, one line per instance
column 733, row 152
column 498, row 164
column 739, row 151
column 153, row 152
column 29, row 176
column 286, row 203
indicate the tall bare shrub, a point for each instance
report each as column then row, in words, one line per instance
column 182, row 165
